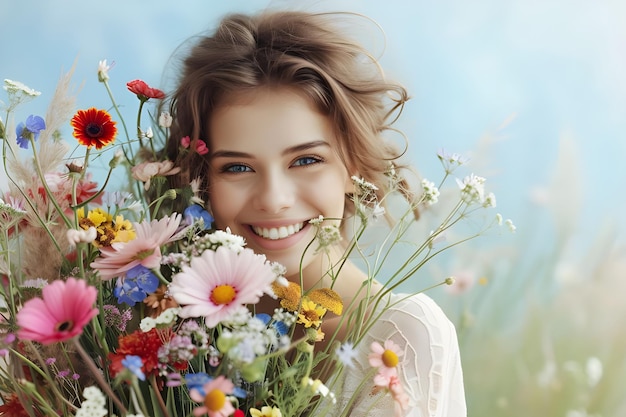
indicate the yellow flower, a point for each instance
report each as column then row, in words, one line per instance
column 124, row 231
column 328, row 299
column 289, row 296
column 109, row 231
column 310, row 313
column 94, row 218
column 266, row 411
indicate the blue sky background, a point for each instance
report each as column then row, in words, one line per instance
column 508, row 82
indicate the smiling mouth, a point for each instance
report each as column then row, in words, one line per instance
column 275, row 233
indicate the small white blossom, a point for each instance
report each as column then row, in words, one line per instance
column 16, row 87
column 346, row 354
column 165, row 119
column 510, row 225
column 117, row 159
column 472, row 188
column 450, row 161
column 378, row 211
column 103, row 71
column 327, row 235
column 317, row 221
column 81, row 236
column 431, row 192
column 149, row 133
column 499, row 219
column 363, row 185
column 168, row 316
column 490, row 200
column 238, row 317
column 147, row 324
column 233, row 242
column 94, row 403
column 195, row 185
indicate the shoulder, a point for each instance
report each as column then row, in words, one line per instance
column 416, row 313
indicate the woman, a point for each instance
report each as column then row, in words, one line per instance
column 291, row 111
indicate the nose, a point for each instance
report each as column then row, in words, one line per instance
column 275, row 192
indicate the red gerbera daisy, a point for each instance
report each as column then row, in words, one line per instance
column 93, row 127
column 144, row 91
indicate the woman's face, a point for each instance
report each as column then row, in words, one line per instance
column 273, row 168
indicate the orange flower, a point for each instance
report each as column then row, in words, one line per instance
column 144, row 91
column 93, row 127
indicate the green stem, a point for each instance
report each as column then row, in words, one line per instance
column 97, row 374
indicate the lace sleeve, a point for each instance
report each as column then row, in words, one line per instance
column 429, row 369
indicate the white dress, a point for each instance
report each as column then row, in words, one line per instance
column 429, row 369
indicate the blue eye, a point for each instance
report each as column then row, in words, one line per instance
column 236, row 168
column 307, row 160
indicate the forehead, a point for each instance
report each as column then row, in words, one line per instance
column 269, row 116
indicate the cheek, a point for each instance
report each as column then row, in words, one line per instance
column 225, row 202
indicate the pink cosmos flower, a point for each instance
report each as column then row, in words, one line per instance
column 201, row 147
column 114, row 261
column 215, row 402
column 220, row 282
column 62, row 312
column 385, row 358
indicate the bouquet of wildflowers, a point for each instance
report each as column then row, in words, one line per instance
column 114, row 305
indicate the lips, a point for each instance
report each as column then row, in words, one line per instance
column 275, row 233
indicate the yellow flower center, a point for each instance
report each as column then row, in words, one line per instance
column 215, row 400
column 390, row 359
column 223, row 294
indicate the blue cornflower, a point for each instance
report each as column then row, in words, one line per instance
column 30, row 129
column 197, row 381
column 195, row 212
column 134, row 363
column 280, row 327
column 139, row 282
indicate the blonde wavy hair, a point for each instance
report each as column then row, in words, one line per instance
column 303, row 51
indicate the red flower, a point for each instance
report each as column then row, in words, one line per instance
column 93, row 127
column 13, row 408
column 144, row 91
column 146, row 345
column 143, row 344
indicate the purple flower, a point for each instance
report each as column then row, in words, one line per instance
column 134, row 363
column 29, row 130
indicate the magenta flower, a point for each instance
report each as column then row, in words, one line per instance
column 62, row 312
column 116, row 260
column 219, row 282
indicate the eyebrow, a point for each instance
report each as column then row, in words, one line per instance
column 293, row 149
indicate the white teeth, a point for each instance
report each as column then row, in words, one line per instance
column 275, row 233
